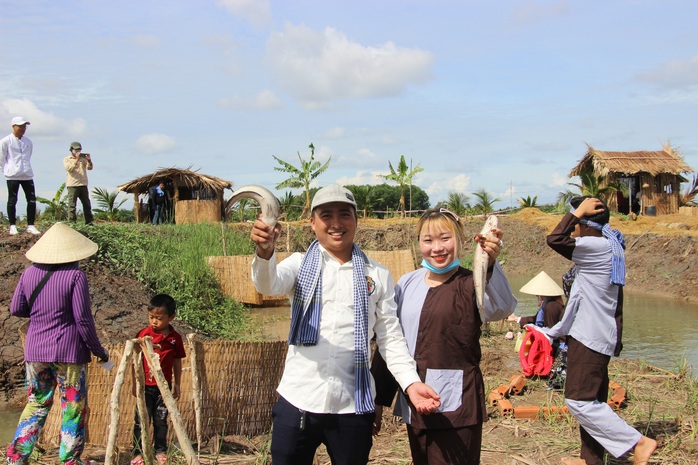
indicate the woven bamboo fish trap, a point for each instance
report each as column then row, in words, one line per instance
column 238, row 389
column 234, row 274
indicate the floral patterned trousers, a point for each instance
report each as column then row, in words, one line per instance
column 42, row 379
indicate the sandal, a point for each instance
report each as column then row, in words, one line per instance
column 161, row 459
column 138, row 461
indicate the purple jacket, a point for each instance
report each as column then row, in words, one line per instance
column 61, row 326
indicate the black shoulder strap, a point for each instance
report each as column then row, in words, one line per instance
column 39, row 287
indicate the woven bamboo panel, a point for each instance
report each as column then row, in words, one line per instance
column 238, row 389
column 197, row 211
column 235, row 276
column 688, row 211
column 398, row 262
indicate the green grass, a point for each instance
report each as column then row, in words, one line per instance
column 171, row 259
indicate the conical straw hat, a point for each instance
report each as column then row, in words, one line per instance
column 61, row 244
column 542, row 284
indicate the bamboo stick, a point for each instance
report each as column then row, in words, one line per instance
column 196, row 388
column 154, row 361
column 114, row 404
column 147, row 447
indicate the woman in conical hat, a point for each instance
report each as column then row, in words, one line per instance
column 60, row 340
column 550, row 304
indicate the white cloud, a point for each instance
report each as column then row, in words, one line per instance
column 675, row 73
column 362, row 158
column 146, row 41
column 530, row 12
column 264, row 100
column 559, row 180
column 151, row 144
column 43, row 124
column 318, row 67
column 440, row 184
column 257, row 12
column 361, row 178
column 335, row 133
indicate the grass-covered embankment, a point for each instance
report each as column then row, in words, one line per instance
column 172, row 259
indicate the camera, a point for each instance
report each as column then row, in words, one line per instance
column 83, row 155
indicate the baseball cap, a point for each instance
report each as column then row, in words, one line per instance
column 75, row 146
column 19, row 120
column 333, row 193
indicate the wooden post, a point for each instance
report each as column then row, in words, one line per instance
column 196, row 388
column 109, row 458
column 147, row 448
column 154, row 361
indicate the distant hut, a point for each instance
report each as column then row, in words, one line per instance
column 653, row 178
column 192, row 197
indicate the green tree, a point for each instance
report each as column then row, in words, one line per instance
column 290, row 206
column 528, row 202
column 108, row 209
column 485, row 202
column 302, row 175
column 403, row 177
column 364, row 196
column 591, row 185
column 458, row 203
column 56, row 208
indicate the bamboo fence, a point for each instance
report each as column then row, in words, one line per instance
column 234, row 274
column 237, row 389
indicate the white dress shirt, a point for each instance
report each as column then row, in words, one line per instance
column 320, row 378
column 15, row 158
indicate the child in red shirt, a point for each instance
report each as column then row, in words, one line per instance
column 169, row 346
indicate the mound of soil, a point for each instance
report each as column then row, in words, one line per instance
column 660, row 260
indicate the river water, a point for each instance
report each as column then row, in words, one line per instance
column 663, row 332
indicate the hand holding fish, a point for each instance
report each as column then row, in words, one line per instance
column 264, row 236
column 491, row 243
column 423, row 397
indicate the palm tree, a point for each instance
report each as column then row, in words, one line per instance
column 591, row 185
column 403, row 176
column 108, row 208
column 302, row 176
column 364, row 196
column 458, row 203
column 485, row 203
column 56, row 208
column 289, row 205
column 528, row 202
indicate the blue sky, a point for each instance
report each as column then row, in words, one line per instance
column 500, row 95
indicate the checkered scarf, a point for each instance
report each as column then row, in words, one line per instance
column 307, row 307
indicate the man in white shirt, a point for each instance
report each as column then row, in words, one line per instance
column 340, row 299
column 15, row 163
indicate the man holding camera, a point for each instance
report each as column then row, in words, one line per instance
column 76, row 165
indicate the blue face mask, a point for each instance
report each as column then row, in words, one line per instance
column 454, row 264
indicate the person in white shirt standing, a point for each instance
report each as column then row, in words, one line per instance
column 76, row 165
column 15, row 162
column 339, row 299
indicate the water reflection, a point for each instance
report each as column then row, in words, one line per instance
column 661, row 331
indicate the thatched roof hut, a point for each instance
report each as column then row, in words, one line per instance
column 192, row 197
column 653, row 178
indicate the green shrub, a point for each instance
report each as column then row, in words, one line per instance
column 172, row 259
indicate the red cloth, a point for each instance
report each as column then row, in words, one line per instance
column 171, row 347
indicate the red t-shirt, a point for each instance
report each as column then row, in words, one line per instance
column 171, row 347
